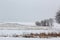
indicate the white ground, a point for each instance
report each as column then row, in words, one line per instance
column 56, row 28
column 11, row 32
column 7, row 38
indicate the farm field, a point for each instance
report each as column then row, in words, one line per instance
column 7, row 38
column 25, row 32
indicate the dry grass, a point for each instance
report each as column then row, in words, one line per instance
column 42, row 35
column 36, row 35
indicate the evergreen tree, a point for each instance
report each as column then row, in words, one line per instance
column 38, row 23
column 58, row 17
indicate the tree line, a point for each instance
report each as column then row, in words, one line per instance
column 46, row 22
column 49, row 22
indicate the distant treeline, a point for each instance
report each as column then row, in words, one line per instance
column 46, row 22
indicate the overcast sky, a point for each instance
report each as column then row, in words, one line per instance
column 27, row 10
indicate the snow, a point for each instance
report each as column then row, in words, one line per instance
column 23, row 23
column 56, row 25
column 7, row 38
column 55, row 28
column 21, row 32
column 12, row 32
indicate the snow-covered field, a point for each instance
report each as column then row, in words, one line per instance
column 7, row 38
column 6, row 33
column 21, row 26
column 11, row 32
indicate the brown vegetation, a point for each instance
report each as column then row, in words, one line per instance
column 35, row 35
column 42, row 35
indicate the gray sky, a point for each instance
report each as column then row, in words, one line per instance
column 27, row 10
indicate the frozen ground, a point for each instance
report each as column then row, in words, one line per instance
column 7, row 38
column 14, row 32
column 5, row 31
column 11, row 32
column 21, row 26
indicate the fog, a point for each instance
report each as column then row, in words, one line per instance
column 27, row 10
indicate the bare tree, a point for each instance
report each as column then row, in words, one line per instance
column 42, row 23
column 51, row 22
